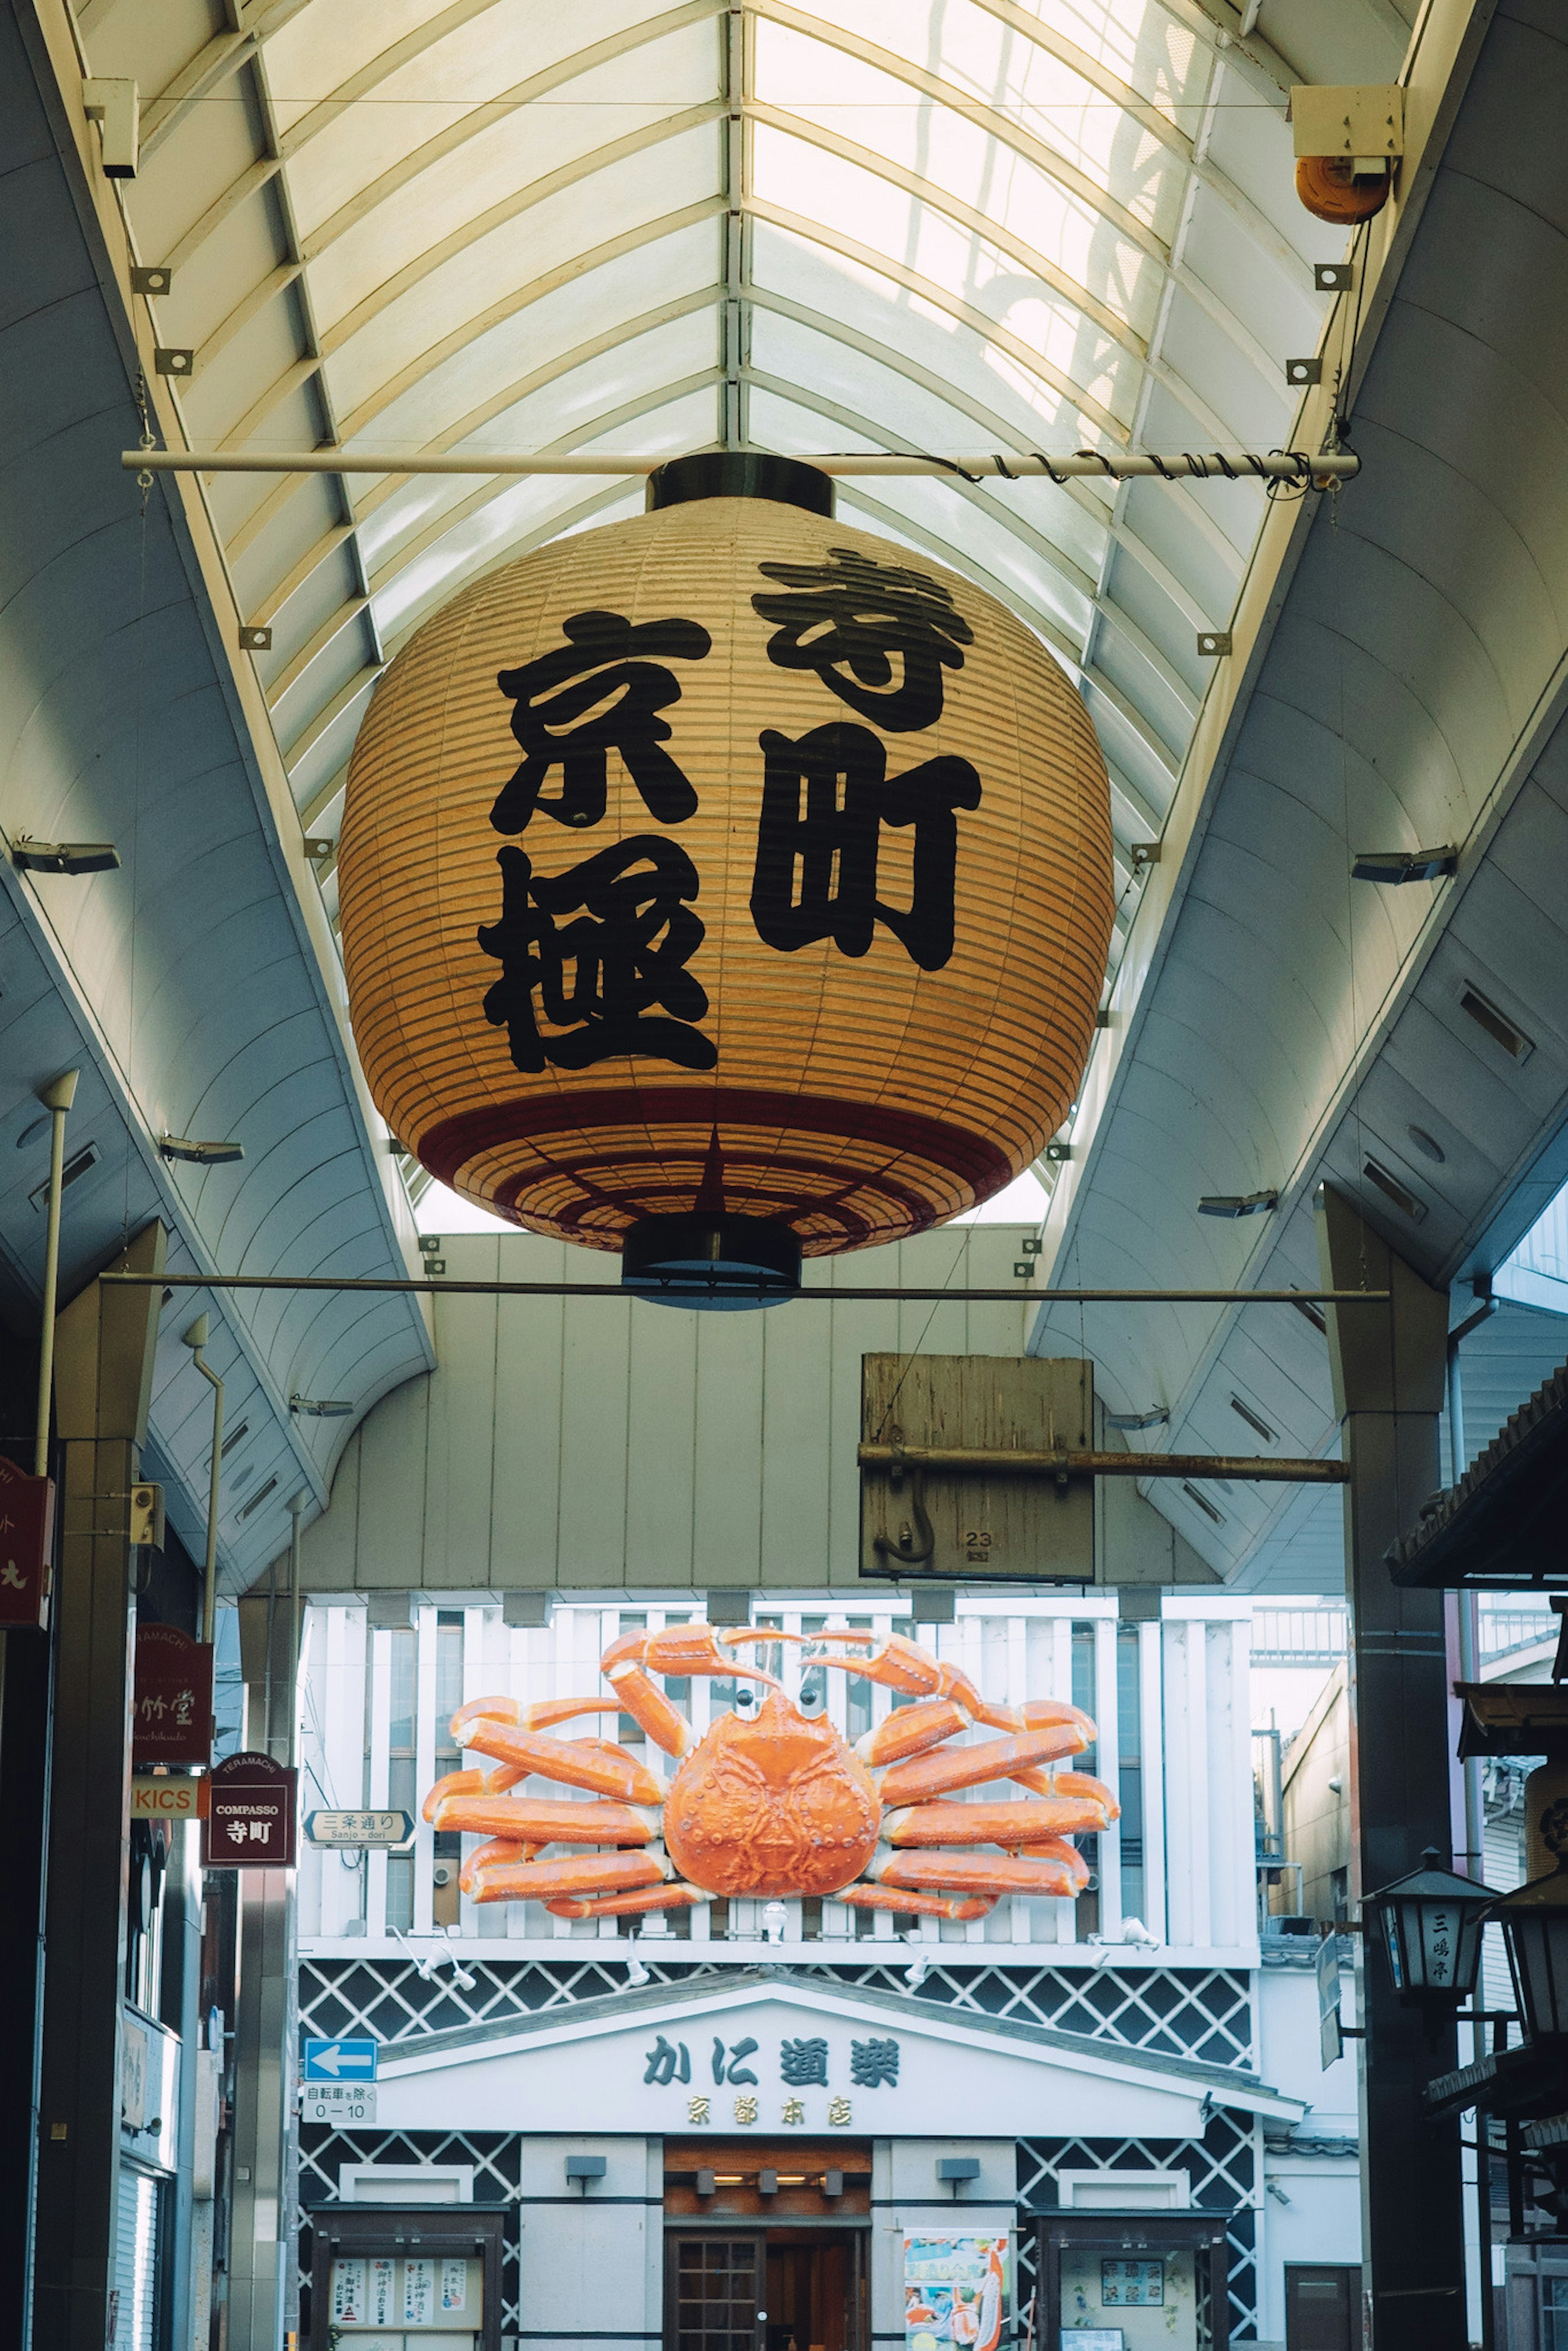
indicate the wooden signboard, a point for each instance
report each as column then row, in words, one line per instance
column 27, row 1548
column 989, row 1527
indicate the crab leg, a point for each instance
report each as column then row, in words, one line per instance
column 681, row 1650
column 532, row 1821
column 1013, row 1826
column 918, row 1905
column 470, row 1783
column 581, row 1873
column 968, row 1767
column 499, row 1849
column 524, row 1718
column 1059, row 1849
column 605, row 1770
column 972, row 1873
column 620, row 1906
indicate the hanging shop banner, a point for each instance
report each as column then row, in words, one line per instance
column 954, row 2289
column 251, row 1811
column 27, row 1548
column 169, row 1796
column 171, row 1713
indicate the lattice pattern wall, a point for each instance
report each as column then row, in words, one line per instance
column 498, row 2172
column 1199, row 2012
column 1223, row 2168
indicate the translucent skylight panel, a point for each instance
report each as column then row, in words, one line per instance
column 315, row 51
column 494, row 268
column 467, row 395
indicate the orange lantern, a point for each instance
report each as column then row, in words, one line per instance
column 724, row 885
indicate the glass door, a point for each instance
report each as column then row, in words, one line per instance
column 713, row 2287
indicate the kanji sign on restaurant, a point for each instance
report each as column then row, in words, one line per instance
column 727, row 869
column 250, row 1820
column 171, row 1711
column 26, row 1545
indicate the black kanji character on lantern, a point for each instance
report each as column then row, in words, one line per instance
column 851, row 619
column 803, row 2062
column 817, row 870
column 728, row 2067
column 595, row 976
column 666, row 2065
column 873, row 2063
column 600, row 693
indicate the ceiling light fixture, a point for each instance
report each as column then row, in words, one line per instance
column 32, row 856
column 1392, row 866
column 200, row 1155
column 1155, row 1419
column 321, row 1407
column 1237, row 1204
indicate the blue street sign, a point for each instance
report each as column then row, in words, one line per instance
column 339, row 2061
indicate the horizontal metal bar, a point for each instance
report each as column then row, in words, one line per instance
column 1177, row 465
column 437, row 1284
column 1001, row 1461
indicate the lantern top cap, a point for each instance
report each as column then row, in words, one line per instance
column 1433, row 1883
column 1548, row 1893
column 740, row 474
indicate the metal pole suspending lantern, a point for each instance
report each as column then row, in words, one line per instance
column 726, row 886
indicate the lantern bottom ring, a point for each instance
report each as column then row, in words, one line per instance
column 722, row 1263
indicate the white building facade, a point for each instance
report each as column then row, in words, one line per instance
column 1129, row 2050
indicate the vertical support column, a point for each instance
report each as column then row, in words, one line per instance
column 264, row 2288
column 103, row 1378
column 1388, row 1365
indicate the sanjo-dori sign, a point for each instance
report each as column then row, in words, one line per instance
column 171, row 1709
column 27, row 1547
column 356, row 1831
column 250, row 1815
column 728, row 865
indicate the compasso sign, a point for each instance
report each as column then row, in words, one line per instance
column 250, row 1814
column 726, row 879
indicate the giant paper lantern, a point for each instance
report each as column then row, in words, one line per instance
column 725, row 885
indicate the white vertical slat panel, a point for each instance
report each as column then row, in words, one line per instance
column 1179, row 1843
column 375, row 1864
column 1108, row 1754
column 963, row 1643
column 607, row 1726
column 479, row 1681
column 838, row 1918
column 424, row 1763
column 527, row 1652
column 342, row 1703
column 1151, row 1746
column 1233, row 1869
column 1020, row 1909
column 1064, row 1915
column 312, row 1773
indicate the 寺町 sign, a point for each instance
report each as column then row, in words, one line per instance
column 250, row 1818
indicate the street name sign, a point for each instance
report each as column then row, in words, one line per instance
column 382, row 1830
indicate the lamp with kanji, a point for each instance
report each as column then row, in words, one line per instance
column 1431, row 1931
column 726, row 885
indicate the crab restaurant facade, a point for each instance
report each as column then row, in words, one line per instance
column 803, row 2124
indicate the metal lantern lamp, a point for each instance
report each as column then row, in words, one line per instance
column 1534, row 1922
column 1431, row 1926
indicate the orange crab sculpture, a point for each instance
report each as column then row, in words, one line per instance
column 774, row 1802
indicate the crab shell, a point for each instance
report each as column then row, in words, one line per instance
column 776, row 1805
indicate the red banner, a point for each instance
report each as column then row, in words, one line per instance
column 27, row 1548
column 171, row 1714
column 250, row 1816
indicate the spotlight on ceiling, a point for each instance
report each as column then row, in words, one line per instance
column 1394, row 866
column 1237, row 1204
column 321, row 1407
column 919, row 1968
column 636, row 1972
column 64, row 856
column 200, row 1155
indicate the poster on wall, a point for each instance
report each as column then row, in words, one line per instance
column 347, row 2294
column 954, row 2289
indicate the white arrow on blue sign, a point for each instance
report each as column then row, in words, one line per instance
column 339, row 2061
